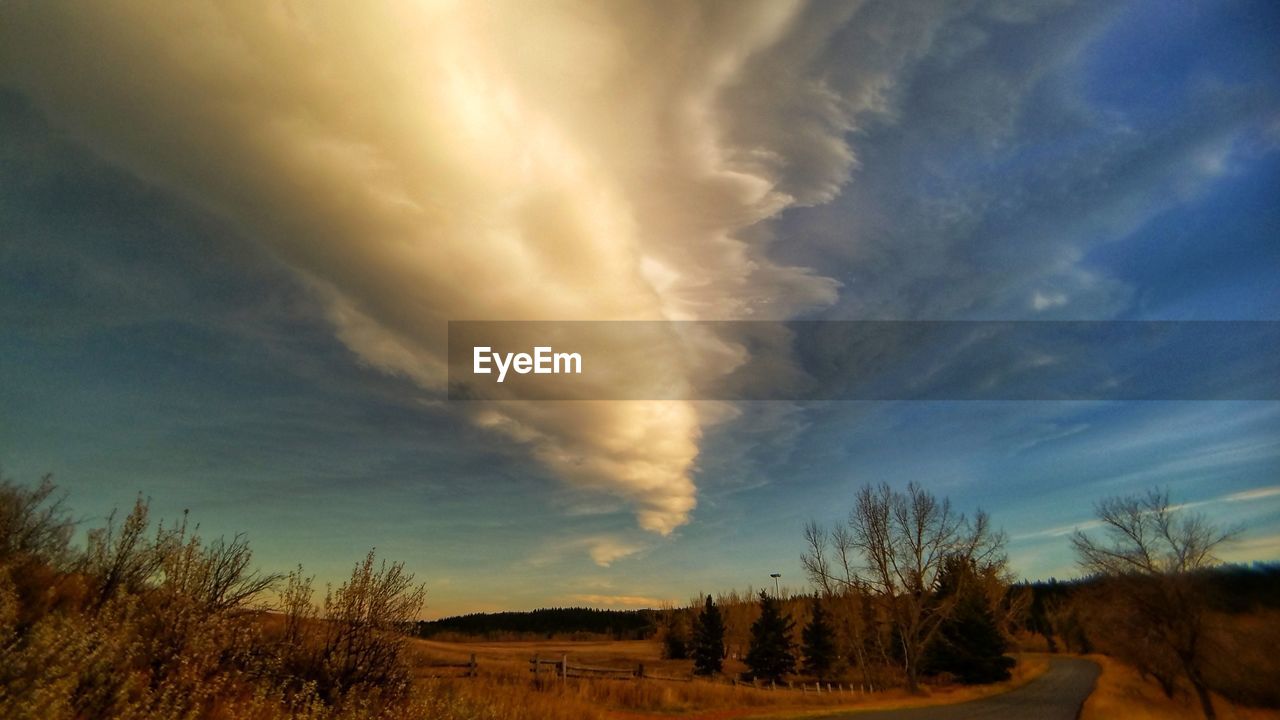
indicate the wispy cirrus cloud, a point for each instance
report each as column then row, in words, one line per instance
column 1252, row 495
column 636, row 601
column 603, row 549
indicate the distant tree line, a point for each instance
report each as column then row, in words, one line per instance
column 547, row 623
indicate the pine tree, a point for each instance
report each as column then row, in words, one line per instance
column 817, row 644
column 969, row 644
column 770, row 655
column 708, row 640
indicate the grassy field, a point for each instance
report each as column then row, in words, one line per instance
column 505, row 684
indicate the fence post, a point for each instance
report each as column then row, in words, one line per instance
column 640, row 671
column 535, row 667
column 564, row 668
column 471, row 668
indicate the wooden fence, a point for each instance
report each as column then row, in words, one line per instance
column 562, row 669
column 807, row 687
column 469, row 666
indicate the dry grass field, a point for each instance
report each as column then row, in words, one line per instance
column 505, row 686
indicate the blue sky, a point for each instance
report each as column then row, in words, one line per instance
column 165, row 332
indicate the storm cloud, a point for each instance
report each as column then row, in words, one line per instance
column 419, row 163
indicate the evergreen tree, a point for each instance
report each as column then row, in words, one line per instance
column 969, row 644
column 770, row 655
column 818, row 644
column 708, row 640
column 675, row 635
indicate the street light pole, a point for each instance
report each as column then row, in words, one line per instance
column 775, row 577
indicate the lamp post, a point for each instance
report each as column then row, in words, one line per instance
column 775, row 577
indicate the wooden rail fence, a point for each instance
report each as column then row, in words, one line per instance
column 562, row 669
column 470, row 666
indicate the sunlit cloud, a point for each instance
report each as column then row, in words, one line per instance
column 604, row 550
column 637, row 601
column 379, row 170
column 1254, row 494
column 418, row 163
column 1248, row 548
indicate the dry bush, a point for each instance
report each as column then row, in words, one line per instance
column 35, row 535
column 33, row 523
column 1242, row 663
column 1121, row 692
column 358, row 643
column 119, row 558
column 141, row 625
column 161, row 624
column 365, row 624
column 218, row 575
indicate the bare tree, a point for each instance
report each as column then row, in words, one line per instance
column 1146, row 557
column 894, row 547
column 830, row 564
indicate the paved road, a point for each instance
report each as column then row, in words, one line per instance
column 1055, row 695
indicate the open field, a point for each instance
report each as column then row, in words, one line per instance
column 617, row 650
column 505, row 682
column 515, row 655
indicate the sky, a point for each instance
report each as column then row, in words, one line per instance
column 232, row 237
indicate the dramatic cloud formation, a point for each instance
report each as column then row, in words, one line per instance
column 231, row 236
column 437, row 161
column 420, row 163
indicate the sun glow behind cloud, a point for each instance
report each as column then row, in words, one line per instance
column 400, row 165
column 420, row 163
